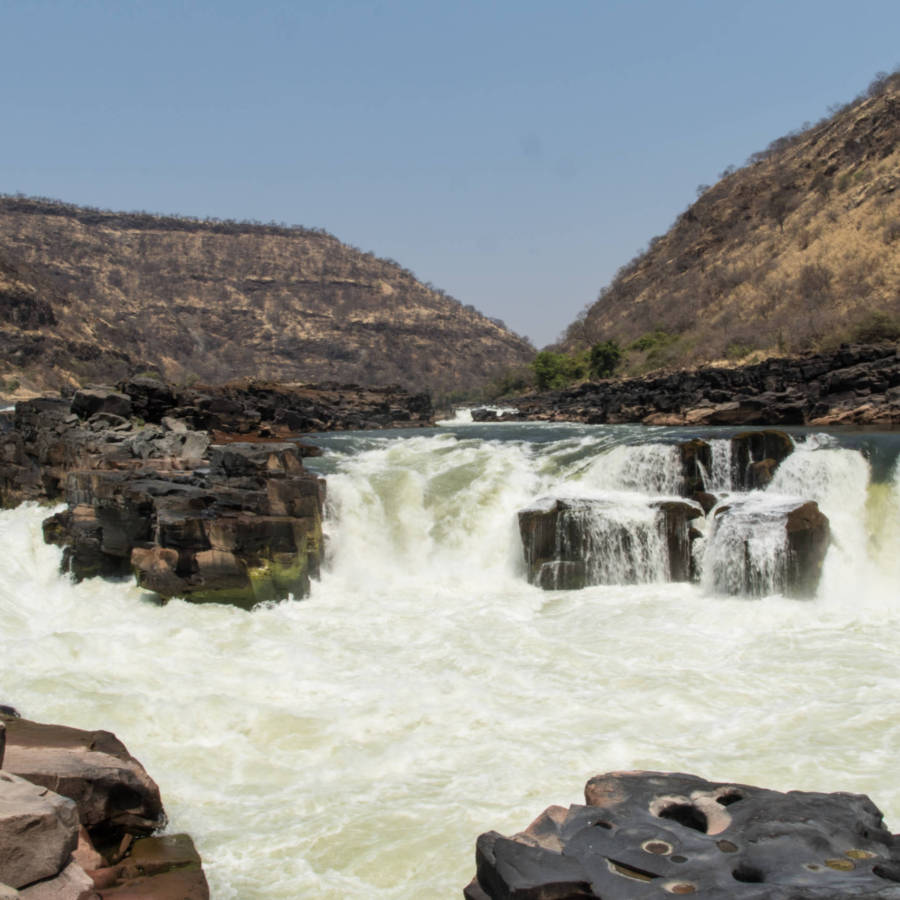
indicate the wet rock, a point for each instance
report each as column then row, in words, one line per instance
column 649, row 834
column 572, row 543
column 696, row 458
column 38, row 831
column 755, row 456
column 808, row 537
column 167, row 867
column 113, row 793
column 762, row 546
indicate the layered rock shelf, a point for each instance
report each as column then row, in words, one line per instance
column 653, row 834
column 78, row 816
column 858, row 385
column 197, row 492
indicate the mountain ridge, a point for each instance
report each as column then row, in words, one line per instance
column 88, row 294
column 797, row 250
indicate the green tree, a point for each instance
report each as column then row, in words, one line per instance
column 604, row 358
column 553, row 371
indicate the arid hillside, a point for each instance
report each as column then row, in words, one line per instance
column 87, row 295
column 797, row 250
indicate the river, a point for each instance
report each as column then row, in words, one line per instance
column 354, row 744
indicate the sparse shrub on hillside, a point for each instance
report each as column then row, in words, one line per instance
column 891, row 231
column 813, row 282
column 877, row 326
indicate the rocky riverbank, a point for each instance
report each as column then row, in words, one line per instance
column 196, row 492
column 649, row 834
column 854, row 385
column 78, row 815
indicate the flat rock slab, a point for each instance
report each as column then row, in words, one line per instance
column 651, row 834
column 71, row 884
column 38, row 831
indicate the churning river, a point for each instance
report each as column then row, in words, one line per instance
column 354, row 744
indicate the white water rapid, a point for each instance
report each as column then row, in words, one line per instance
column 354, row 744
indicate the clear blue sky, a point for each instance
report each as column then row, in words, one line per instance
column 514, row 153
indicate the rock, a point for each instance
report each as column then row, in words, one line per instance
column 88, row 401
column 73, row 883
column 8, row 893
column 761, row 545
column 755, row 455
column 572, row 543
column 648, row 834
column 808, row 535
column 156, row 868
column 38, row 831
column 696, row 458
column 113, row 793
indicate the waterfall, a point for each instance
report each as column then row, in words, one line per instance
column 353, row 745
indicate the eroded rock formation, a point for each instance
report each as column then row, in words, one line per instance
column 652, row 834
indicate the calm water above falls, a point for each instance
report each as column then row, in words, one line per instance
column 353, row 745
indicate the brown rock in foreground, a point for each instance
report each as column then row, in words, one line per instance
column 77, row 841
column 652, row 834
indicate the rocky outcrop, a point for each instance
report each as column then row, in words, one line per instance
column 852, row 385
column 758, row 547
column 572, row 543
column 76, row 816
column 650, row 834
column 246, row 529
column 755, row 544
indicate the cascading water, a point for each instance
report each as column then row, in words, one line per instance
column 354, row 744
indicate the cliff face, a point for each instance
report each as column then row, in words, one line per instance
column 797, row 250
column 86, row 294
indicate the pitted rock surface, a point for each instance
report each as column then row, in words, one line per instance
column 653, row 834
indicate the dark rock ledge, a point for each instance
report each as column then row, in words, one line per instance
column 653, row 834
column 854, row 385
column 198, row 492
column 77, row 820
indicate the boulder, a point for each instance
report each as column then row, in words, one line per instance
column 88, row 401
column 572, row 543
column 649, row 834
column 38, row 831
column 763, row 545
column 72, row 883
column 113, row 793
column 755, row 455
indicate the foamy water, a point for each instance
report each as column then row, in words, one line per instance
column 354, row 744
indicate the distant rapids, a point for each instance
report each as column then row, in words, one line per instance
column 354, row 744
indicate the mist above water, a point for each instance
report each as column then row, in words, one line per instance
column 355, row 744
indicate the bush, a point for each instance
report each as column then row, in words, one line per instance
column 877, row 326
column 553, row 371
column 603, row 359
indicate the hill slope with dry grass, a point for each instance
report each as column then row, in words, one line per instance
column 87, row 294
column 798, row 250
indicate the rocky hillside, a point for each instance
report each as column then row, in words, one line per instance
column 797, row 250
column 88, row 295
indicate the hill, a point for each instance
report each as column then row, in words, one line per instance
column 798, row 250
column 87, row 294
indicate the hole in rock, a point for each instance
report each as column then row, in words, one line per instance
column 123, row 797
column 681, row 887
column 685, row 814
column 887, row 872
column 727, row 846
column 630, row 871
column 661, row 848
column 678, row 858
column 729, row 798
column 600, row 823
column 748, row 874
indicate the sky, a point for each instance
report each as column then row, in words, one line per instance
column 515, row 153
